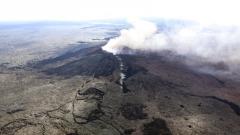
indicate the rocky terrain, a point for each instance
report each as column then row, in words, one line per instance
column 80, row 93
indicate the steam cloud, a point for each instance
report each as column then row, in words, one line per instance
column 133, row 38
column 211, row 43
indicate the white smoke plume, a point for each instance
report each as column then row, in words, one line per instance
column 133, row 38
column 211, row 43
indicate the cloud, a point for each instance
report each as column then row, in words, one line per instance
column 133, row 38
column 209, row 43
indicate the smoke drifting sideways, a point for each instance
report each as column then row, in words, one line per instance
column 213, row 45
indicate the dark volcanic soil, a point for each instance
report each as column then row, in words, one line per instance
column 79, row 93
column 156, row 127
column 91, row 63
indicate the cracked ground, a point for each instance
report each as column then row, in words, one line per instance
column 79, row 94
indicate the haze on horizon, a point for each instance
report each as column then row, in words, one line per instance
column 215, row 40
column 223, row 12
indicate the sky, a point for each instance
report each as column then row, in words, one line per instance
column 203, row 11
